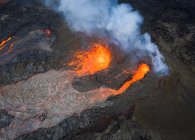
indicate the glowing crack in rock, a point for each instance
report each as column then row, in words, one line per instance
column 3, row 46
column 4, row 42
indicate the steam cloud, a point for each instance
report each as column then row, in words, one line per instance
column 118, row 21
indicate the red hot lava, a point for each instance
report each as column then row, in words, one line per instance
column 142, row 70
column 96, row 59
column 99, row 58
column 3, row 46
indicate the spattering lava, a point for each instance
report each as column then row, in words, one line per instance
column 96, row 59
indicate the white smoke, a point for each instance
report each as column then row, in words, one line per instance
column 120, row 22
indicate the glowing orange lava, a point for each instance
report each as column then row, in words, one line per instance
column 142, row 70
column 2, row 44
column 89, row 62
column 99, row 58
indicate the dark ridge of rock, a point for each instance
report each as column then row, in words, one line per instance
column 85, row 83
column 94, row 124
column 5, row 118
column 27, row 66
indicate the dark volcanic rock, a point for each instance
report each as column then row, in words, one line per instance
column 5, row 118
column 2, row 2
column 26, row 22
column 94, row 124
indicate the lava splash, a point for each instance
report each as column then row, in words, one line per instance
column 97, row 58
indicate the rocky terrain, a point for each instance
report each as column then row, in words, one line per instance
column 156, row 108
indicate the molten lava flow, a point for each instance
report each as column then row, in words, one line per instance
column 142, row 70
column 89, row 62
column 2, row 44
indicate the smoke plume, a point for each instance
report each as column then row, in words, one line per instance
column 120, row 22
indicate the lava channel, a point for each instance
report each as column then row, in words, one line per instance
column 142, row 70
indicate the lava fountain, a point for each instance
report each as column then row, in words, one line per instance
column 97, row 58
